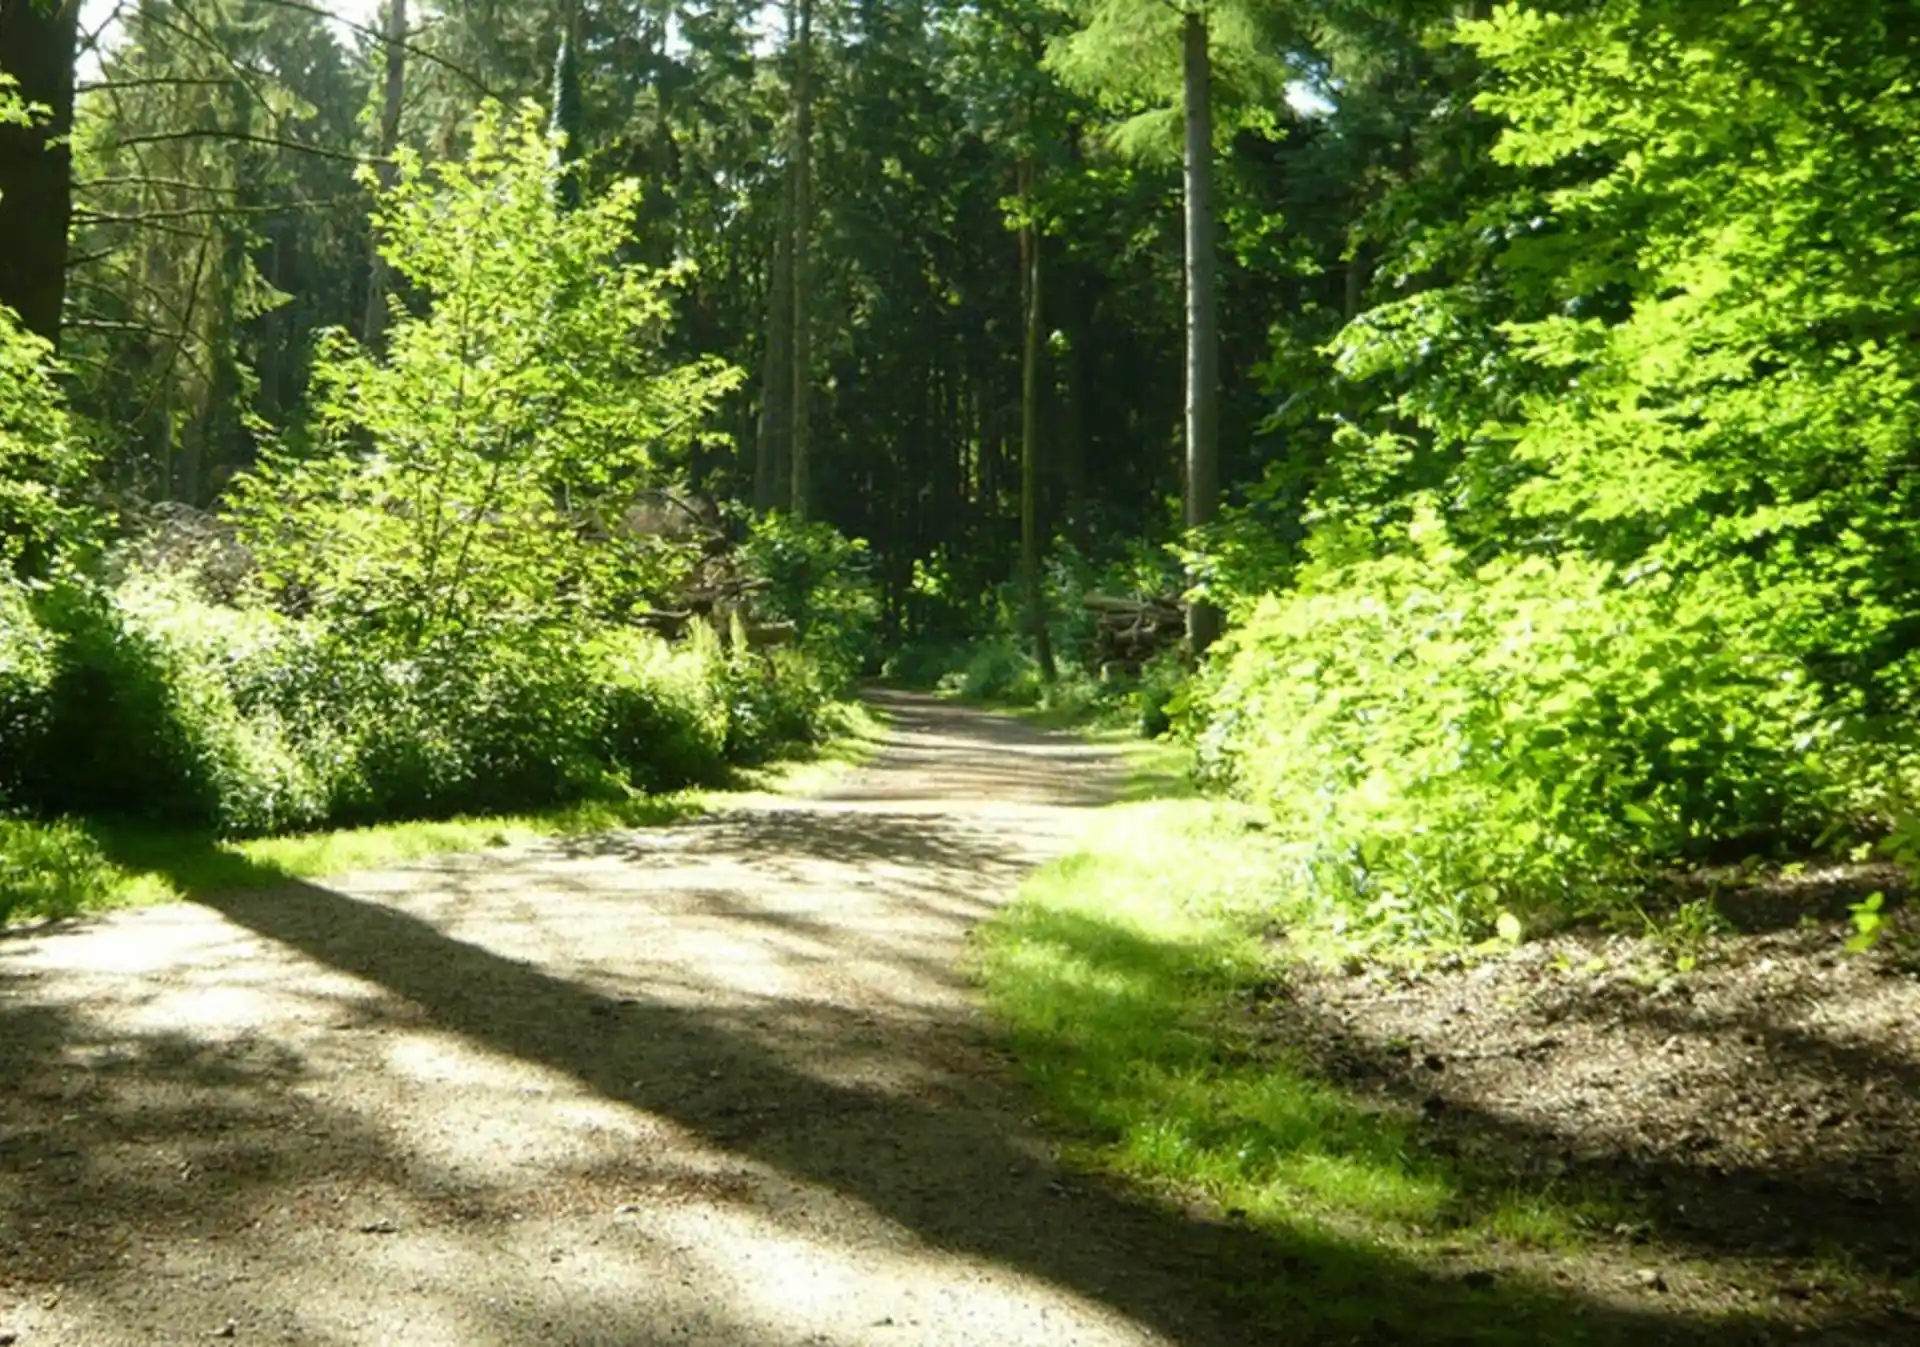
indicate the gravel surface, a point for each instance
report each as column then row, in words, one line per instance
column 714, row 1083
column 723, row 1083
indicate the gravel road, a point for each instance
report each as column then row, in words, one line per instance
column 716, row 1083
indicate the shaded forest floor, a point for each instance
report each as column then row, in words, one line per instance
column 723, row 1082
column 1753, row 1123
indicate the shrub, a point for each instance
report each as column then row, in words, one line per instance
column 26, row 681
column 41, row 465
column 997, row 670
column 1442, row 745
column 775, row 699
column 417, row 527
column 49, row 869
column 924, row 663
column 1160, row 694
column 143, row 719
column 821, row 581
column 663, row 709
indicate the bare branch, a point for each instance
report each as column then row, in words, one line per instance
column 204, row 212
column 246, row 137
column 154, row 82
column 138, row 180
column 380, row 37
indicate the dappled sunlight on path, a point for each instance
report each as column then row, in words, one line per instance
column 716, row 1083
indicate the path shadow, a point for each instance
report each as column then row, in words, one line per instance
column 957, row 1171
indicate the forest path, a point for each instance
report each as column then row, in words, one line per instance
column 720, row 1083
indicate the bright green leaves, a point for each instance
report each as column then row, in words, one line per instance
column 479, row 474
column 1126, row 53
column 1443, row 745
column 42, row 465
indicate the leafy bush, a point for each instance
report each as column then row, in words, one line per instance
column 1160, row 694
column 1443, row 744
column 999, row 670
column 415, row 514
column 423, row 616
column 41, row 465
column 775, row 699
column 664, row 710
column 143, row 717
column 26, row 681
column 924, row 663
column 49, row 869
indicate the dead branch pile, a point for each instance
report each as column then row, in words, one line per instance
column 1130, row 630
column 719, row 587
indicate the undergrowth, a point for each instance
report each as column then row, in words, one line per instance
column 1129, row 977
column 65, row 867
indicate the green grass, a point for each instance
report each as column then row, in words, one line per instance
column 1129, row 977
column 67, row 867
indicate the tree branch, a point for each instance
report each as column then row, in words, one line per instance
column 382, row 39
column 246, row 137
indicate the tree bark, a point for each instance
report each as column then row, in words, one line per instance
column 373, row 327
column 802, row 451
column 38, row 41
column 1203, row 334
column 770, row 461
column 1030, row 440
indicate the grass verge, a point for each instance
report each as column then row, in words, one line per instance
column 65, row 867
column 1131, row 977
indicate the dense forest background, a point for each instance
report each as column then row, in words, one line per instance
column 471, row 404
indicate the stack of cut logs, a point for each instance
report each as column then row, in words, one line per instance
column 1128, row 631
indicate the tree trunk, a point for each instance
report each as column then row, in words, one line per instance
column 1030, row 440
column 1072, row 444
column 770, row 461
column 38, row 39
column 1203, row 334
column 802, row 451
column 568, row 116
column 373, row 327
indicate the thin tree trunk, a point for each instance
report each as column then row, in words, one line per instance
column 1071, row 455
column 1030, row 440
column 1203, row 335
column 770, row 461
column 373, row 327
column 802, row 451
column 38, row 40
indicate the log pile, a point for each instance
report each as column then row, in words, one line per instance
column 1129, row 631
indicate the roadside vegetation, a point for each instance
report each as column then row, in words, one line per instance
column 430, row 631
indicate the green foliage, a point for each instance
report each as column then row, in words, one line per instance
column 143, row 717
column 478, row 476
column 26, row 680
column 50, row 869
column 148, row 702
column 997, row 669
column 821, row 581
column 1126, row 53
column 1443, row 742
column 42, row 463
column 1869, row 920
column 774, row 699
column 666, row 716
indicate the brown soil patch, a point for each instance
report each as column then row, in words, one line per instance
column 1760, row 1113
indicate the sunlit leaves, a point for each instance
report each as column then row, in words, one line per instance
column 479, row 472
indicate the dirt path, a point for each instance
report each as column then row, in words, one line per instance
column 716, row 1083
